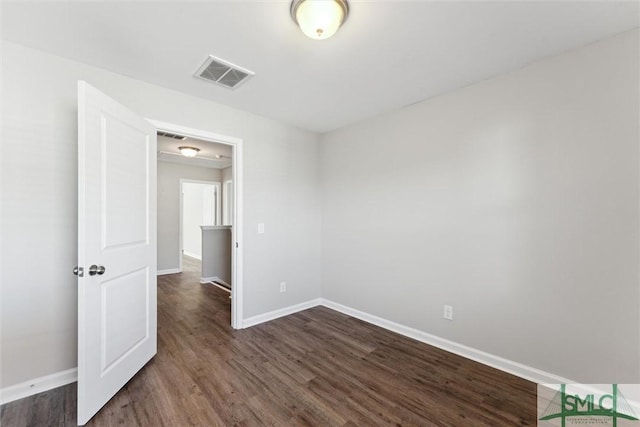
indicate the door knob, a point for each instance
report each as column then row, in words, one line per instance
column 78, row 271
column 96, row 269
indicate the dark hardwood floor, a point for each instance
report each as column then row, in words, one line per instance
column 317, row 367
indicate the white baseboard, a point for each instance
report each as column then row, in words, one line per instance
column 216, row 281
column 169, row 271
column 204, row 280
column 261, row 318
column 219, row 280
column 192, row 255
column 511, row 367
column 37, row 385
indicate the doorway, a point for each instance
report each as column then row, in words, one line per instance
column 199, row 205
column 233, row 215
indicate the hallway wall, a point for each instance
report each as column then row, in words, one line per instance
column 169, row 175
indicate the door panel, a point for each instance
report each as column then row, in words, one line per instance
column 116, row 229
column 125, row 184
column 124, row 316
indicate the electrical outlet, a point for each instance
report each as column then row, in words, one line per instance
column 283, row 286
column 261, row 228
column 448, row 312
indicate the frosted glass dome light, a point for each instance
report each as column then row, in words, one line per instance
column 189, row 151
column 319, row 19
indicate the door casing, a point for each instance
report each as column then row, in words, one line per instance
column 236, row 237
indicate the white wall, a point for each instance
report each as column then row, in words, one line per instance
column 196, row 198
column 514, row 200
column 169, row 175
column 39, row 213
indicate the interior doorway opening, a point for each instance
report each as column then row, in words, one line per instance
column 223, row 209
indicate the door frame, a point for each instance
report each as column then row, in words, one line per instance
column 218, row 210
column 237, row 289
column 225, row 202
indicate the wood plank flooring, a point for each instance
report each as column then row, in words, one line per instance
column 314, row 368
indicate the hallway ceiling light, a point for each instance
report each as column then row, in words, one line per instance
column 319, row 19
column 188, row 151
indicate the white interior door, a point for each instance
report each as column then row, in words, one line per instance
column 116, row 230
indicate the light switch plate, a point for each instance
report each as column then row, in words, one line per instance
column 448, row 312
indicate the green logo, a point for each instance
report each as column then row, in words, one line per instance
column 610, row 407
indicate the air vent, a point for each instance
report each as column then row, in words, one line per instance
column 223, row 73
column 172, row 135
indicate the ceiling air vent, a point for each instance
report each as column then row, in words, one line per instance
column 223, row 73
column 172, row 135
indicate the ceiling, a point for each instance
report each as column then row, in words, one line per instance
column 168, row 152
column 389, row 54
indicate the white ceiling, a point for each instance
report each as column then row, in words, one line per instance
column 389, row 54
column 168, row 152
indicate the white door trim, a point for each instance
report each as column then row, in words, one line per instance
column 226, row 213
column 237, row 290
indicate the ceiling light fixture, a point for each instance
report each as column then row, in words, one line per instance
column 319, row 19
column 188, row 151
